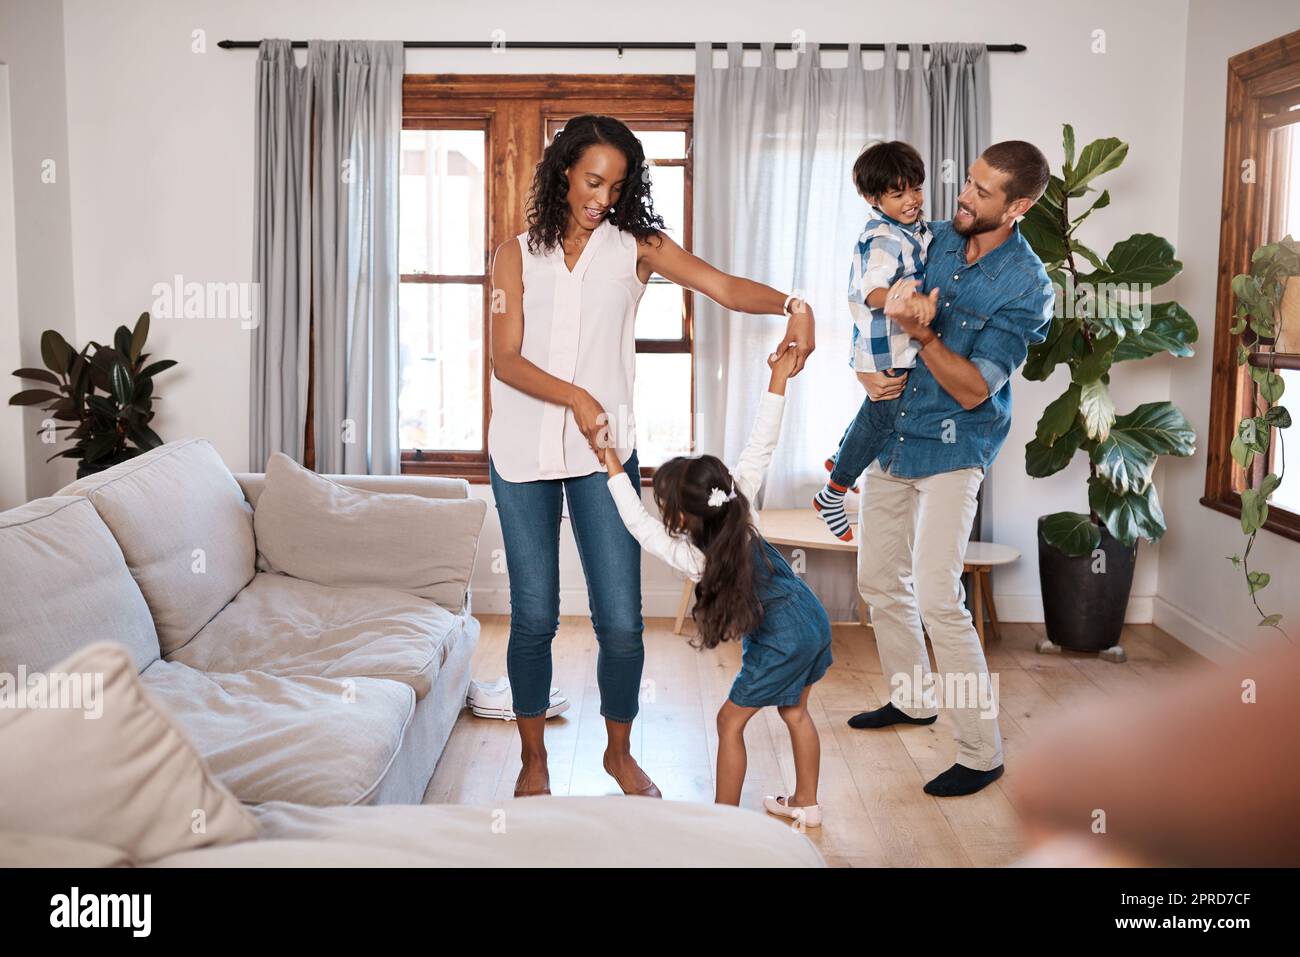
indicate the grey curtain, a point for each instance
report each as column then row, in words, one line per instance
column 343, row 264
column 278, row 373
column 774, row 201
column 958, row 80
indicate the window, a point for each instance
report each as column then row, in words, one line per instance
column 442, row 251
column 469, row 146
column 1261, row 204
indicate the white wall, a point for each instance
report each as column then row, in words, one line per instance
column 161, row 142
column 1203, row 600
column 31, row 46
column 13, row 464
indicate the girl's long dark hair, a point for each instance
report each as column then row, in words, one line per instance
column 548, row 206
column 726, row 604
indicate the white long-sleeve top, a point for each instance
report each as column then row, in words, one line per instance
column 678, row 550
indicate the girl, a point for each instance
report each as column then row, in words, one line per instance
column 745, row 590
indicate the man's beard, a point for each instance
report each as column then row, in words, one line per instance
column 975, row 226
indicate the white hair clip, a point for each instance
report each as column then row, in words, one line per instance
column 717, row 497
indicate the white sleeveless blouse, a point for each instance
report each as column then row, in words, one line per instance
column 580, row 327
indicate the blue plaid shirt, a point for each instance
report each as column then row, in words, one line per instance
column 886, row 252
column 989, row 311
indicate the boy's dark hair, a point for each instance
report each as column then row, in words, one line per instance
column 1024, row 165
column 882, row 167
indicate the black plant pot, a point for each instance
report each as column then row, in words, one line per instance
column 1083, row 608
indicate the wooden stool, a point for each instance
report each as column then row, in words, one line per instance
column 796, row 527
column 980, row 560
column 803, row 528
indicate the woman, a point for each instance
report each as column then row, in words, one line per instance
column 563, row 340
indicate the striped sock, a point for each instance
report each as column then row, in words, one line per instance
column 829, row 503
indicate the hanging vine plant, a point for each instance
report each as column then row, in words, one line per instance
column 1257, row 321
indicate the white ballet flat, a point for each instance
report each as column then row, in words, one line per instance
column 810, row 816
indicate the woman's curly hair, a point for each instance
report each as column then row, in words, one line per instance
column 548, row 206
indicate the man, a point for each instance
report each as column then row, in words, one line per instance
column 990, row 298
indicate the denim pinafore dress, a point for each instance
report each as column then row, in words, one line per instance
column 791, row 649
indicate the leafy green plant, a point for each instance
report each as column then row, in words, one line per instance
column 1256, row 321
column 1103, row 316
column 107, row 391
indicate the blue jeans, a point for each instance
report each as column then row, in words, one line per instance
column 863, row 440
column 611, row 563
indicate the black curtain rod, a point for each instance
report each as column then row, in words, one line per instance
column 601, row 45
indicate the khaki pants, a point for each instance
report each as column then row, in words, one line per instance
column 913, row 534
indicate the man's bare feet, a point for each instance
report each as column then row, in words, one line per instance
column 622, row 767
column 534, row 779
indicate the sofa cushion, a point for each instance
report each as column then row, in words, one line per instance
column 117, row 770
column 418, row 545
column 284, row 626
column 185, row 529
column 64, row 585
column 308, row 740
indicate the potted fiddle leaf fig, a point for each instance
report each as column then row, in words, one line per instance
column 1259, row 320
column 1104, row 316
column 105, row 391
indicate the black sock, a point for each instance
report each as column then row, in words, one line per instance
column 884, row 717
column 959, row 779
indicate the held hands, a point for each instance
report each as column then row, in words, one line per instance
column 799, row 337
column 912, row 311
column 784, row 364
column 591, row 418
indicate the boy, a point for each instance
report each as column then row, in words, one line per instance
column 893, row 246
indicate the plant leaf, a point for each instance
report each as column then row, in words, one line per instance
column 1059, row 416
column 122, row 386
column 155, row 367
column 1254, row 510
column 1099, row 156
column 1128, row 515
column 139, row 335
column 34, row 397
column 40, row 375
column 1044, row 460
column 1072, row 532
column 55, row 351
column 1142, row 258
column 1170, row 329
column 1097, row 409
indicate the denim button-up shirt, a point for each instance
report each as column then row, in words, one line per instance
column 989, row 312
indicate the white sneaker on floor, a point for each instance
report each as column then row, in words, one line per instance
column 493, row 699
column 811, row 815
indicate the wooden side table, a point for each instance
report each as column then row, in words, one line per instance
column 803, row 528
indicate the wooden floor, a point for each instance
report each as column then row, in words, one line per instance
column 875, row 811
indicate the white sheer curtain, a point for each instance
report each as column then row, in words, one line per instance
column 774, row 201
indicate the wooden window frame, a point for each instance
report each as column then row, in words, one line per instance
column 1255, row 78
column 514, row 109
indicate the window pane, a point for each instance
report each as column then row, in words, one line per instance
column 440, row 398
column 667, row 186
column 662, row 404
column 659, row 316
column 662, row 144
column 1287, row 495
column 1285, row 182
column 442, row 211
